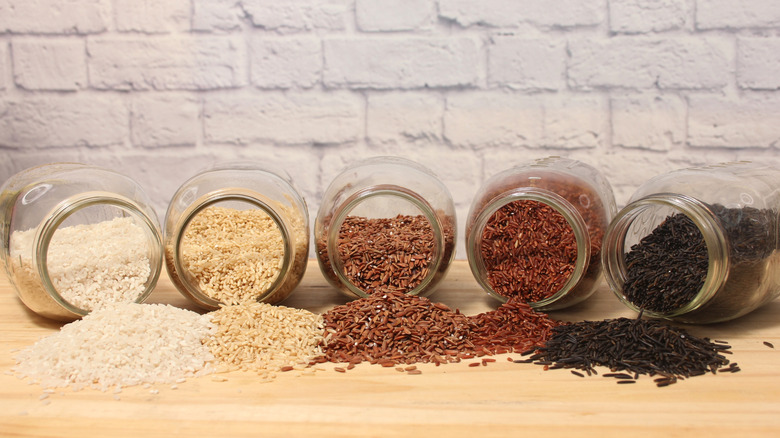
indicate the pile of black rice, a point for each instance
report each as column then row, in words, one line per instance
column 630, row 348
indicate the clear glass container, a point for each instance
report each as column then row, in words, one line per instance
column 534, row 232
column 385, row 224
column 76, row 237
column 698, row 245
column 236, row 233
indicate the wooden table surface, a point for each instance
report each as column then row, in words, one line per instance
column 500, row 399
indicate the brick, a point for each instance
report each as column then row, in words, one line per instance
column 216, row 15
column 54, row 16
column 288, row 118
column 502, row 13
column 758, row 61
column 527, row 63
column 394, row 15
column 382, row 63
column 50, row 64
column 290, row 16
column 642, row 62
column 63, row 120
column 643, row 16
column 718, row 121
column 5, row 68
column 164, row 119
column 652, row 122
column 574, row 121
column 166, row 63
column 493, row 118
column 730, row 14
column 479, row 119
column 399, row 118
column 152, row 16
column 285, row 62
column 298, row 15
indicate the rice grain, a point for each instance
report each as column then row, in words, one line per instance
column 120, row 345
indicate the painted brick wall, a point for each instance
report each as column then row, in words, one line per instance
column 160, row 89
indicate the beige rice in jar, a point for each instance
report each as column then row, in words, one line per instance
column 236, row 233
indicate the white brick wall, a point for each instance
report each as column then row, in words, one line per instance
column 49, row 64
column 160, row 89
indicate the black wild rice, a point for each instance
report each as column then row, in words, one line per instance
column 666, row 270
column 638, row 346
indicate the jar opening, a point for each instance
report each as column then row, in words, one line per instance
column 529, row 244
column 387, row 238
column 668, row 255
column 231, row 246
column 95, row 249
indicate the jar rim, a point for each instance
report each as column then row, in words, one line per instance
column 212, row 198
column 69, row 206
column 342, row 211
column 551, row 199
column 705, row 220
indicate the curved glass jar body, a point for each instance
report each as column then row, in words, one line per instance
column 235, row 233
column 76, row 237
column 698, row 245
column 385, row 224
column 534, row 232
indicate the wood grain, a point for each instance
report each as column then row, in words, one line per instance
column 499, row 399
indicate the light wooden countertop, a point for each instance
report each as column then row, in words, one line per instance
column 500, row 399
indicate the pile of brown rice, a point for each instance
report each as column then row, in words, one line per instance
column 264, row 338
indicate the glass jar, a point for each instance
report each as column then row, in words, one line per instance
column 236, row 233
column 698, row 245
column 534, row 232
column 385, row 224
column 77, row 237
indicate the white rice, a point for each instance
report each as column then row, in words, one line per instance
column 121, row 345
column 90, row 265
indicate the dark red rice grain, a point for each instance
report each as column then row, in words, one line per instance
column 388, row 254
column 529, row 250
column 395, row 328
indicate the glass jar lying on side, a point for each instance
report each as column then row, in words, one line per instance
column 385, row 224
column 236, row 233
column 698, row 245
column 534, row 232
column 78, row 237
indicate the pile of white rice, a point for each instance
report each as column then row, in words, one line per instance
column 121, row 345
